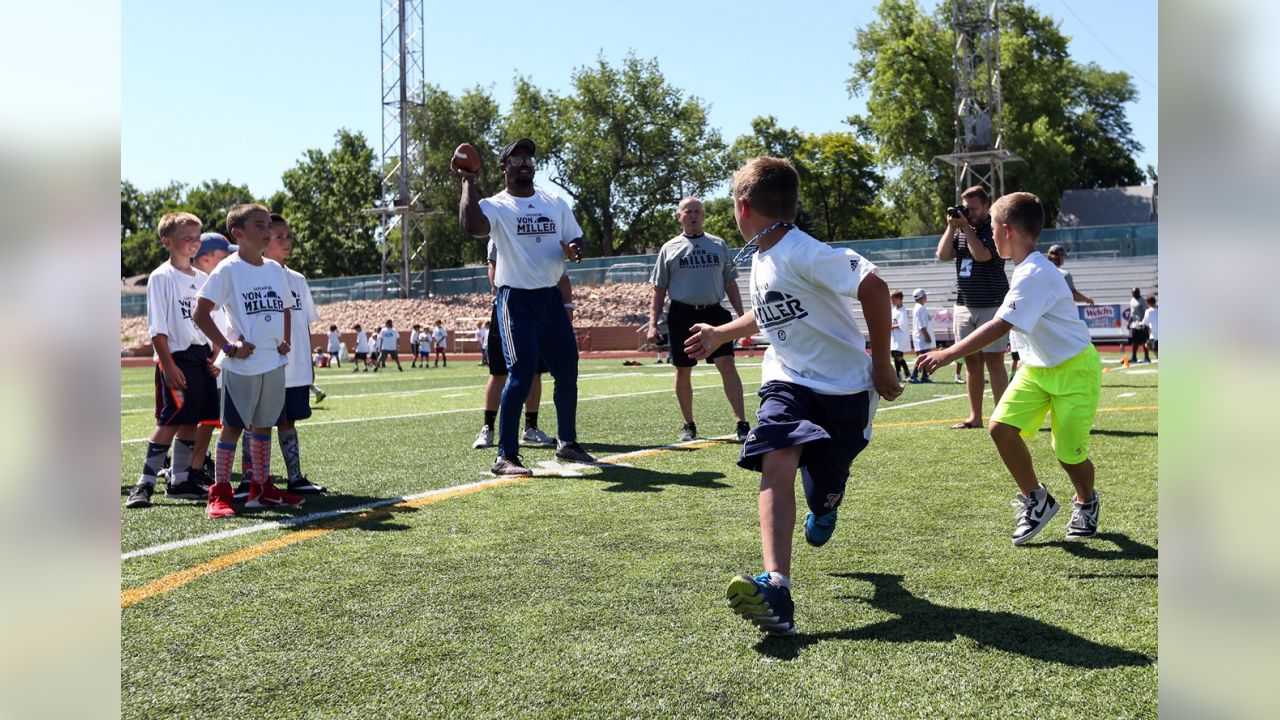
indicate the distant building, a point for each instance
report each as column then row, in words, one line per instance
column 1109, row 206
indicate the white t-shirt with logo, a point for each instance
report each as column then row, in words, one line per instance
column 334, row 341
column 922, row 318
column 1152, row 319
column 527, row 232
column 800, row 289
column 171, row 303
column 389, row 338
column 254, row 297
column 299, row 372
column 1047, row 329
column 424, row 344
column 899, row 334
column 362, row 342
column 441, row 336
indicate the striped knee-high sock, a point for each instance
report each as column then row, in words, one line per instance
column 260, row 451
column 224, row 455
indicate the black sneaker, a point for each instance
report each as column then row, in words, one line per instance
column 302, row 485
column 744, row 429
column 186, row 490
column 509, row 467
column 689, row 432
column 1084, row 519
column 201, row 477
column 573, row 452
column 140, row 496
column 1032, row 513
column 242, row 491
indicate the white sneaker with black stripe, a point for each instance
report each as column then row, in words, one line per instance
column 1032, row 514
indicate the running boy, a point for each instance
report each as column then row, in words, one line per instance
column 185, row 390
column 922, row 322
column 899, row 340
column 1061, row 372
column 252, row 289
column 820, row 389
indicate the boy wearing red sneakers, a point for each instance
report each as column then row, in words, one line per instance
column 253, row 291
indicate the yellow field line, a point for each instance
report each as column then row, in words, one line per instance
column 173, row 581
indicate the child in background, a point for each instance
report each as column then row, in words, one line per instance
column 922, row 323
column 441, row 338
column 335, row 340
column 414, row 336
column 482, row 339
column 1152, row 321
column 899, row 340
column 362, row 349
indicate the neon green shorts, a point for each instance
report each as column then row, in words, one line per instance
column 1070, row 391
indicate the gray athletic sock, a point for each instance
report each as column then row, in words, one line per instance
column 292, row 455
column 156, row 453
column 182, row 452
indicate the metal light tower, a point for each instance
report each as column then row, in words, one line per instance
column 403, row 76
column 979, row 154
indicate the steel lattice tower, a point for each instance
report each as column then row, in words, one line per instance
column 979, row 155
column 403, row 78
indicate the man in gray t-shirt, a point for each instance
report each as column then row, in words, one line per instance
column 695, row 270
column 1058, row 255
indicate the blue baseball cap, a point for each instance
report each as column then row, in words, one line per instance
column 211, row 241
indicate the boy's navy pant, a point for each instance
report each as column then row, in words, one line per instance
column 533, row 324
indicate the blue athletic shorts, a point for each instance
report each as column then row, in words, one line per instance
column 297, row 404
column 833, row 429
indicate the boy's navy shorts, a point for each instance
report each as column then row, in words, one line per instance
column 199, row 402
column 297, row 404
column 833, row 429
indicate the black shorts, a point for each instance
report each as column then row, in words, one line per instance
column 297, row 404
column 498, row 361
column 199, row 402
column 362, row 356
column 681, row 317
column 833, row 429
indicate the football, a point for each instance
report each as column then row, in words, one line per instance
column 466, row 158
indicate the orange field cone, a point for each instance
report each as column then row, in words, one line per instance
column 1124, row 361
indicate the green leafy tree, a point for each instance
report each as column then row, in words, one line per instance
column 1065, row 119
column 211, row 199
column 625, row 145
column 140, row 212
column 328, row 194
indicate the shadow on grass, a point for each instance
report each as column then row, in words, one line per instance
column 1126, row 548
column 1115, row 433
column 633, row 479
column 920, row 620
column 1113, row 576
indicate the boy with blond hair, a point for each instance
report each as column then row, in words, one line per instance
column 185, row 390
column 819, row 388
column 1061, row 373
column 253, row 291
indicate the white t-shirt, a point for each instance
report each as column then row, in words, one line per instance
column 389, row 338
column 899, row 334
column 171, row 302
column 424, row 344
column 922, row 318
column 1152, row 320
column 801, row 289
column 441, row 336
column 527, row 232
column 299, row 372
column 254, row 299
column 482, row 336
column 413, row 338
column 1047, row 329
column 362, row 341
column 334, row 341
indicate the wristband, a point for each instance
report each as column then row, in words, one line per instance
column 229, row 349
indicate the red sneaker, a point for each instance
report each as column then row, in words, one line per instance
column 219, row 505
column 267, row 495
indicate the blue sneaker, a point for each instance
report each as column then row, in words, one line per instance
column 764, row 603
column 818, row 530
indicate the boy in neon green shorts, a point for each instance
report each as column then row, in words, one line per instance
column 1061, row 373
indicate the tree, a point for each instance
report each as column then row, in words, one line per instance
column 211, row 199
column 328, row 194
column 625, row 145
column 1065, row 119
column 140, row 213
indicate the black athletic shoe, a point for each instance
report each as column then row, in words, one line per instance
column 242, row 491
column 689, row 432
column 140, row 496
column 573, row 452
column 1084, row 519
column 1032, row 514
column 509, row 467
column 302, row 485
column 185, row 490
column 201, row 477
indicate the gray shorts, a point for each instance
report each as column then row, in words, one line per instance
column 966, row 320
column 250, row 401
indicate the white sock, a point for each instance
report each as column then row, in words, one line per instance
column 780, row 579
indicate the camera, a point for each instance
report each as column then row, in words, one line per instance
column 958, row 211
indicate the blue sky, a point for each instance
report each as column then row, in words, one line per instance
column 237, row 90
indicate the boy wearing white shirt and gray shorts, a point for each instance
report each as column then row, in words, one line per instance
column 819, row 389
column 253, row 290
column 1061, row 373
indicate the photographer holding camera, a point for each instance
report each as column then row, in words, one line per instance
column 981, row 287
